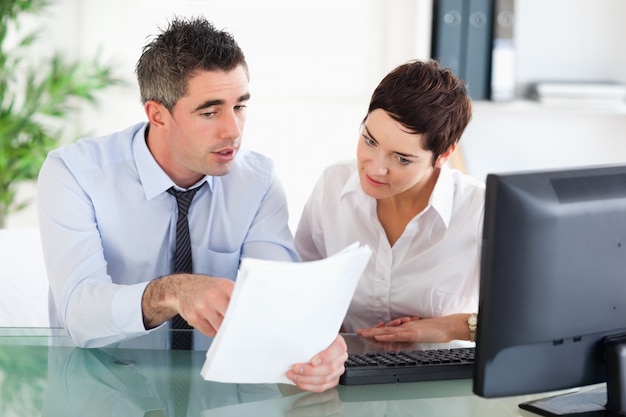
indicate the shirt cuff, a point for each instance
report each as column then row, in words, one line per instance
column 126, row 309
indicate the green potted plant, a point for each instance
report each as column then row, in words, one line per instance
column 37, row 100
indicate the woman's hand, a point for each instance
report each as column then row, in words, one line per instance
column 417, row 330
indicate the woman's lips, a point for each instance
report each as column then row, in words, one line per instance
column 373, row 181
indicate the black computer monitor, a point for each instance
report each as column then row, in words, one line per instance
column 552, row 305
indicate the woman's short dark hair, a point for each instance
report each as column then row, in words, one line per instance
column 427, row 99
column 178, row 53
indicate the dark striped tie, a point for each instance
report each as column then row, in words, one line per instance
column 182, row 262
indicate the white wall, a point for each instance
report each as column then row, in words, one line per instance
column 555, row 40
column 314, row 64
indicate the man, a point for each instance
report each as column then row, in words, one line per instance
column 108, row 212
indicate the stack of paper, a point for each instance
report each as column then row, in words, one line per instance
column 282, row 313
column 579, row 92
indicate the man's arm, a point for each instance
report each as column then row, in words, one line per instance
column 201, row 300
column 269, row 236
column 83, row 292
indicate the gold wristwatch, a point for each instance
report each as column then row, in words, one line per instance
column 472, row 322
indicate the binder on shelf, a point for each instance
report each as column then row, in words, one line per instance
column 503, row 51
column 477, row 58
column 448, row 34
column 461, row 41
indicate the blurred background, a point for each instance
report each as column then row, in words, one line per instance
column 313, row 65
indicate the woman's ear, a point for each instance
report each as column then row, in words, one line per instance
column 445, row 156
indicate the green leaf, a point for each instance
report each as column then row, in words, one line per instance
column 33, row 95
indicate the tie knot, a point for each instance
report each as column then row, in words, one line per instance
column 183, row 198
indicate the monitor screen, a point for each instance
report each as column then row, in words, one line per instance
column 553, row 283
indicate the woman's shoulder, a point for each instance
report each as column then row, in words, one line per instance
column 340, row 170
column 469, row 193
column 467, row 183
column 332, row 180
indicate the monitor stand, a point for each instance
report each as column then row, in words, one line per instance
column 606, row 401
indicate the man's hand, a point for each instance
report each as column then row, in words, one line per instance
column 324, row 370
column 320, row 404
column 201, row 300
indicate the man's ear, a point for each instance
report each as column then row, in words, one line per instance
column 445, row 156
column 156, row 113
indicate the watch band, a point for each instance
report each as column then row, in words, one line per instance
column 472, row 323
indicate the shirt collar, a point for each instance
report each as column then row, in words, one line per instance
column 441, row 198
column 152, row 177
column 353, row 184
column 443, row 194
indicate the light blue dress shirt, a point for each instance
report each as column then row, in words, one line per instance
column 108, row 227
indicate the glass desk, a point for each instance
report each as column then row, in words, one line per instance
column 43, row 374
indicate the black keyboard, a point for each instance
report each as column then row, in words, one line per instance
column 408, row 366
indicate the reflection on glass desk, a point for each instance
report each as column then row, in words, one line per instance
column 42, row 374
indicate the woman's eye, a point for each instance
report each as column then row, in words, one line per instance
column 403, row 161
column 369, row 141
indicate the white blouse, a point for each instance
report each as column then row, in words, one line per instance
column 433, row 268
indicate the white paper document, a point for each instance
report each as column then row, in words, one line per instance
column 282, row 313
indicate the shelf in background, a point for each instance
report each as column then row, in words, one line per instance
column 532, row 106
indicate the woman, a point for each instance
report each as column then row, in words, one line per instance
column 422, row 219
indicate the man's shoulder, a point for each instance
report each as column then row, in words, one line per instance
column 252, row 164
column 250, row 159
column 97, row 151
column 250, row 169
